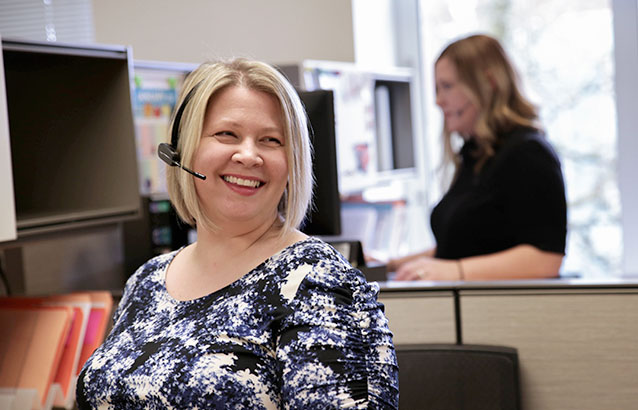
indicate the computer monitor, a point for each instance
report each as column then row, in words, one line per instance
column 325, row 215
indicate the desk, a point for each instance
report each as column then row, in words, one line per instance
column 577, row 340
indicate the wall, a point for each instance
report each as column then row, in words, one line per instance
column 276, row 31
column 626, row 43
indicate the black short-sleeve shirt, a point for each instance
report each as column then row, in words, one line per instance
column 518, row 197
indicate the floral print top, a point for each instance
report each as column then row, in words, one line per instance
column 303, row 330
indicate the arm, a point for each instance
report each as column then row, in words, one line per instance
column 335, row 349
column 518, row 262
column 533, row 198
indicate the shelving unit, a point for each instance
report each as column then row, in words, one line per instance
column 380, row 178
column 72, row 135
column 374, row 119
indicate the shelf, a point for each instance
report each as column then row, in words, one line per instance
column 72, row 135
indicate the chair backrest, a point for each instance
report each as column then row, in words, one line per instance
column 458, row 377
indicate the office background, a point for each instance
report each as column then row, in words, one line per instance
column 576, row 341
column 286, row 32
column 383, row 33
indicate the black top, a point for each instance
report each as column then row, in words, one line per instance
column 518, row 197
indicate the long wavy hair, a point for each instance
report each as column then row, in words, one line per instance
column 493, row 85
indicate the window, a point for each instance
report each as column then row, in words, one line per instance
column 564, row 51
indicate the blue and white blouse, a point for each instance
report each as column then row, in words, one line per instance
column 303, row 330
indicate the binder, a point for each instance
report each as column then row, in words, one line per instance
column 63, row 387
column 31, row 347
column 66, row 377
column 88, row 318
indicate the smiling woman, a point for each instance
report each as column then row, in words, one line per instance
column 254, row 314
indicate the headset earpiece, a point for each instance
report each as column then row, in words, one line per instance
column 168, row 152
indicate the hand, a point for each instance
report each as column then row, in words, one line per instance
column 426, row 268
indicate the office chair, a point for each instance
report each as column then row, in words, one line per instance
column 458, row 377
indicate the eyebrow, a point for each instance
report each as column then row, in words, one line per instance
column 234, row 124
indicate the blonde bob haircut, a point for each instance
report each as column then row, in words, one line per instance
column 492, row 84
column 208, row 80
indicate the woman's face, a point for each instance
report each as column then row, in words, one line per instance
column 242, row 152
column 458, row 110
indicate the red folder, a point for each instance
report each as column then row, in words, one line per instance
column 101, row 309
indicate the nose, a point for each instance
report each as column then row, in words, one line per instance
column 438, row 100
column 248, row 154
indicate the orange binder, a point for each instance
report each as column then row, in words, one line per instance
column 65, row 377
column 31, row 345
column 89, row 318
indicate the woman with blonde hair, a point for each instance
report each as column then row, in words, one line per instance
column 504, row 215
column 254, row 314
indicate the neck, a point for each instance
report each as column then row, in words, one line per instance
column 234, row 241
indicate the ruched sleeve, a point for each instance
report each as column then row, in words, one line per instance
column 335, row 347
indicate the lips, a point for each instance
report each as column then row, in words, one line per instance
column 243, row 182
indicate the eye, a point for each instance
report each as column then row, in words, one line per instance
column 225, row 136
column 273, row 141
column 443, row 86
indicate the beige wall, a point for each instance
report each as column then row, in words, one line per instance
column 191, row 31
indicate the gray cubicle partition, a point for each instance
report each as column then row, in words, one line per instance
column 577, row 340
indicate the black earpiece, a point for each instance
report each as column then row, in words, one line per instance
column 168, row 152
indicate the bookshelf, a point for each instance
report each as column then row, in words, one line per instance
column 71, row 135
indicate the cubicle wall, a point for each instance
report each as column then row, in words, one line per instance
column 577, row 342
column 421, row 317
column 578, row 348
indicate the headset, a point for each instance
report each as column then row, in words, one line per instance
column 168, row 152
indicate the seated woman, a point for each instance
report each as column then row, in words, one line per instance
column 254, row 314
column 504, row 215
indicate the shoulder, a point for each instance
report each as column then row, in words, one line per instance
column 314, row 252
column 150, row 267
column 527, row 143
column 316, row 267
column 524, row 151
column 146, row 278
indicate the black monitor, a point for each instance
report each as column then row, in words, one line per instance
column 325, row 215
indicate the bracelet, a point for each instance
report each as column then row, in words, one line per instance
column 461, row 274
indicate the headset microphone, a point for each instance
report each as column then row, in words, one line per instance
column 168, row 152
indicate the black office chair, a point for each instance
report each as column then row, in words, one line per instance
column 458, row 377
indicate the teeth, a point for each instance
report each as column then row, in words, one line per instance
column 243, row 182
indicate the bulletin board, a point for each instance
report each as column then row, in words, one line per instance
column 154, row 98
